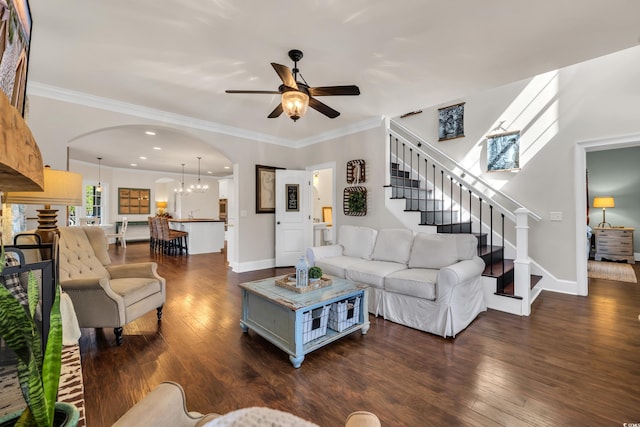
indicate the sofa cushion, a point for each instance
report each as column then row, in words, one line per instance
column 433, row 251
column 415, row 282
column 336, row 266
column 393, row 245
column 372, row 273
column 357, row 241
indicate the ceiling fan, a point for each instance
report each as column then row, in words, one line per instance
column 297, row 96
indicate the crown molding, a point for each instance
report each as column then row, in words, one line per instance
column 343, row 131
column 87, row 100
column 92, row 101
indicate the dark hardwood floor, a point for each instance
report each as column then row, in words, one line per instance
column 574, row 361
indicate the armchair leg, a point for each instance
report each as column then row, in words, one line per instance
column 118, row 332
column 159, row 312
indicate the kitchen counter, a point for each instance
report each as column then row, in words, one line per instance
column 206, row 235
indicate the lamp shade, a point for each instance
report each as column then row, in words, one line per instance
column 161, row 205
column 60, row 188
column 604, row 202
column 295, row 104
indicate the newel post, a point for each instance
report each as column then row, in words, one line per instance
column 522, row 264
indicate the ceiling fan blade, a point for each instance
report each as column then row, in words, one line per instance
column 270, row 92
column 276, row 112
column 285, row 75
column 323, row 108
column 334, row 90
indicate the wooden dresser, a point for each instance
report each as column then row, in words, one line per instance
column 615, row 244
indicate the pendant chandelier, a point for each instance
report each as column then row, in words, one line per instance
column 99, row 187
column 182, row 191
column 199, row 188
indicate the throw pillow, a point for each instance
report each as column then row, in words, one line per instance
column 393, row 245
column 256, row 417
column 357, row 241
column 12, row 281
column 433, row 251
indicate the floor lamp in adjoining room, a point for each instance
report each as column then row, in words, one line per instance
column 60, row 188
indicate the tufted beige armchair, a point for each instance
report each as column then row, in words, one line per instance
column 104, row 295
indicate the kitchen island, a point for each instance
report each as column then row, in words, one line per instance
column 206, row 235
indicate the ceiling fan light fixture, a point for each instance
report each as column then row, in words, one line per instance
column 295, row 104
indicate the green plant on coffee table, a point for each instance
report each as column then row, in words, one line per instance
column 315, row 272
column 38, row 373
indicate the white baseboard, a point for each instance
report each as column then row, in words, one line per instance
column 243, row 267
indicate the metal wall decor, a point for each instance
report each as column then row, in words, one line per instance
column 503, row 151
column 356, row 172
column 451, row 122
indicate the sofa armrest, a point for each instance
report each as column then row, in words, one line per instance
column 164, row 406
column 319, row 252
column 460, row 272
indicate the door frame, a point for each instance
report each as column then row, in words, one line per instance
column 581, row 150
column 332, row 166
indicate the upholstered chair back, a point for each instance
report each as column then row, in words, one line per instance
column 83, row 253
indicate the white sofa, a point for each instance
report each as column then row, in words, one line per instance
column 430, row 282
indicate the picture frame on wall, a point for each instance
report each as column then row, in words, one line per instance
column 15, row 41
column 293, row 197
column 503, row 152
column 265, row 189
column 451, row 122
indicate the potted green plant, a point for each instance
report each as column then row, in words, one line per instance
column 38, row 372
column 315, row 273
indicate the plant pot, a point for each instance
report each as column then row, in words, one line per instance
column 66, row 415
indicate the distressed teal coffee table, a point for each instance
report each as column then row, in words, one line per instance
column 278, row 314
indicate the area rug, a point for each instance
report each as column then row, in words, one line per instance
column 71, row 385
column 611, row 271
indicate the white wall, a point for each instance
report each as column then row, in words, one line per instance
column 592, row 100
column 206, row 204
column 596, row 99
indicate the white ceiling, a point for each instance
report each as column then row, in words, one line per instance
column 179, row 56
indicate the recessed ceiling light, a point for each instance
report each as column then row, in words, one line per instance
column 150, row 132
column 143, row 158
column 209, row 172
column 157, row 148
column 134, row 164
column 227, row 167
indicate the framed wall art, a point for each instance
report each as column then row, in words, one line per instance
column 503, row 151
column 451, row 122
column 265, row 189
column 15, row 39
column 293, row 197
column 134, row 201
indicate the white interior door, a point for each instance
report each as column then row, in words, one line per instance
column 294, row 226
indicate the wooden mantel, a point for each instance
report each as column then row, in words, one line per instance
column 20, row 158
